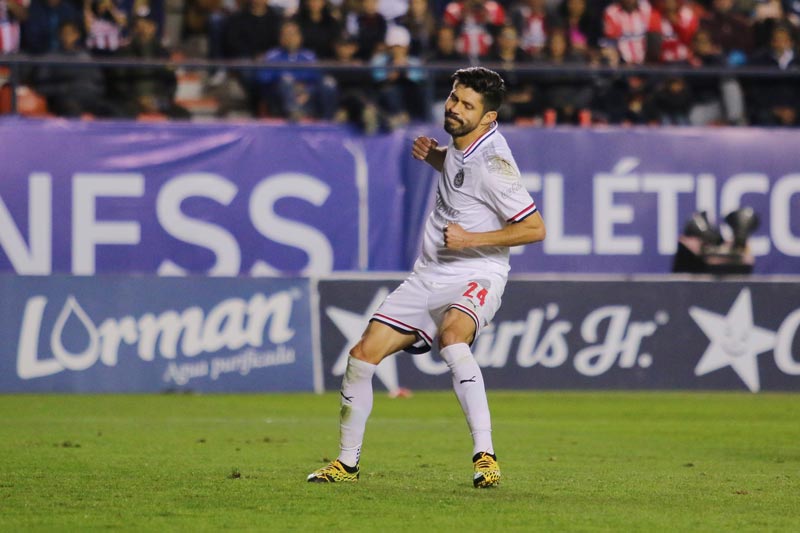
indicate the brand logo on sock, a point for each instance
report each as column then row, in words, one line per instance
column 471, row 380
column 346, row 398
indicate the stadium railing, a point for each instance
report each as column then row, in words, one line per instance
column 15, row 64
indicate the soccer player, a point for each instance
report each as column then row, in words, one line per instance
column 481, row 210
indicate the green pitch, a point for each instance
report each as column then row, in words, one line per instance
column 571, row 462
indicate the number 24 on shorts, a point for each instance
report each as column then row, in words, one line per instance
column 480, row 295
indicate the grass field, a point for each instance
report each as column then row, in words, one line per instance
column 571, row 462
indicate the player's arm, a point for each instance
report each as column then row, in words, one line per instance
column 427, row 149
column 526, row 231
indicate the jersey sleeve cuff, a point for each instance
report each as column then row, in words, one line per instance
column 522, row 215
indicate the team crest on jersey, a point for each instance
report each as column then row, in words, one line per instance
column 459, row 180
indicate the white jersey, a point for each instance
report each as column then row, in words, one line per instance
column 480, row 189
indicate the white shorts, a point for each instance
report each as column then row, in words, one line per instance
column 418, row 306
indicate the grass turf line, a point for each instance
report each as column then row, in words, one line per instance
column 570, row 461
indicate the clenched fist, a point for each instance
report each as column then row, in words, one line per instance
column 456, row 237
column 422, row 147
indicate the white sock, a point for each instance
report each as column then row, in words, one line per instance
column 356, row 396
column 471, row 393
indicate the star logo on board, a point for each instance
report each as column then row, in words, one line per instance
column 735, row 341
column 352, row 325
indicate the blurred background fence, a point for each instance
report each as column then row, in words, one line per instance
column 359, row 95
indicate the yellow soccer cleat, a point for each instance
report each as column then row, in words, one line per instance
column 487, row 471
column 335, row 472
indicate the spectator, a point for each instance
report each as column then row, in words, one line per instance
column 716, row 101
column 319, row 27
column 151, row 9
column 729, row 30
column 146, row 91
column 202, row 26
column 567, row 95
column 521, row 96
column 671, row 102
column 295, row 94
column 674, row 25
column 581, row 28
column 421, row 24
column 626, row 24
column 508, row 49
column 72, row 91
column 444, row 51
column 559, row 50
column 105, row 25
column 355, row 105
column 623, row 100
column 40, row 29
column 766, row 15
column 774, row 102
column 399, row 79
column 252, row 31
column 369, row 28
column 345, row 49
column 532, row 22
column 12, row 12
column 476, row 24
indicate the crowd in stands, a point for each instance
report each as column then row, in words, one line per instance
column 393, row 41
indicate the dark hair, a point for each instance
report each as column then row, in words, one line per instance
column 485, row 82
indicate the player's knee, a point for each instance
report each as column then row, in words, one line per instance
column 450, row 336
column 358, row 352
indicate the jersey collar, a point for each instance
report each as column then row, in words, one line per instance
column 472, row 148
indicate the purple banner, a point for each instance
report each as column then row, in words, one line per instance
column 615, row 335
column 616, row 200
column 149, row 334
column 257, row 199
column 173, row 198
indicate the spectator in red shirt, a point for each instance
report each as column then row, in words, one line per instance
column 674, row 24
column 532, row 21
column 626, row 24
column 476, row 23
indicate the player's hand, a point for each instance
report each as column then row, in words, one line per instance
column 422, row 147
column 456, row 237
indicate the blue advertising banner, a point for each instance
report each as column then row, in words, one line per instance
column 131, row 334
column 263, row 200
column 645, row 335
